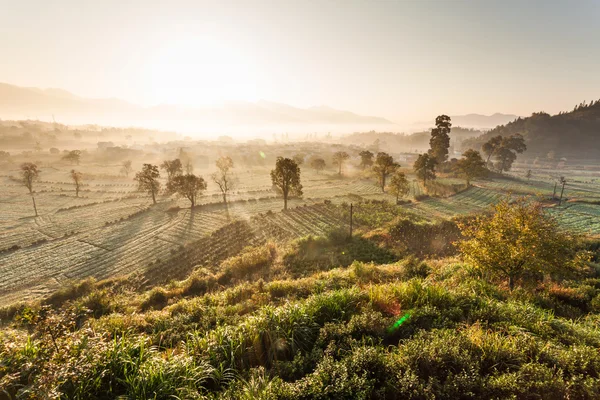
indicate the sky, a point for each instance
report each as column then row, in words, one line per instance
column 402, row 60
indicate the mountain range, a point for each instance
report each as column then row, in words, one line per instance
column 45, row 104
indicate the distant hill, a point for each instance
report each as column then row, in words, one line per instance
column 476, row 121
column 483, row 121
column 22, row 103
column 574, row 134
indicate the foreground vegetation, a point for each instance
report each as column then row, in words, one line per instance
column 304, row 320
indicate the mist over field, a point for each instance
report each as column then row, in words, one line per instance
column 299, row 200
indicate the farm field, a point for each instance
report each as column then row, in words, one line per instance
column 112, row 229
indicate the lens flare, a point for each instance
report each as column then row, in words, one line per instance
column 397, row 324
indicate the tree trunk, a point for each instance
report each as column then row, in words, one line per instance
column 224, row 197
column 153, row 197
column 285, row 201
column 511, row 282
column 340, row 169
column 34, row 206
column 76, row 191
column 383, row 183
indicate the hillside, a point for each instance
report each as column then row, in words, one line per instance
column 302, row 320
column 574, row 134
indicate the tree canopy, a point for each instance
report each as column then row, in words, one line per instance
column 366, row 159
column 339, row 158
column 189, row 186
column 518, row 241
column 383, row 167
column 286, row 177
column 471, row 166
column 440, row 139
column 147, row 180
column 424, row 167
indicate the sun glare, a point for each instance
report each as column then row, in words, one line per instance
column 200, row 70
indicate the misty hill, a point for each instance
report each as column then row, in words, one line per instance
column 19, row 102
column 400, row 142
column 574, row 134
column 476, row 121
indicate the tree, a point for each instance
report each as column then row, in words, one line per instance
column 471, row 166
column 126, row 168
column 299, row 158
column 424, row 167
column 77, row 180
column 440, row 139
column 384, row 165
column 29, row 174
column 73, row 156
column 224, row 177
column 147, row 180
column 366, row 159
column 189, row 186
column 318, row 164
column 339, row 158
column 504, row 149
column 399, row 185
column 173, row 168
column 286, row 177
column 490, row 147
column 519, row 240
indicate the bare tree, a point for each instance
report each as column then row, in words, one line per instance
column 224, row 178
column 30, row 173
column 77, row 180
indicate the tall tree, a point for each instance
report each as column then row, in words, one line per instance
column 399, row 185
column 424, row 166
column 73, row 156
column 126, row 168
column 147, row 180
column 29, row 174
column 366, row 159
column 318, row 164
column 519, row 240
column 224, row 177
column 189, row 186
column 440, row 139
column 384, row 165
column 286, row 177
column 173, row 168
column 471, row 166
column 77, row 178
column 339, row 158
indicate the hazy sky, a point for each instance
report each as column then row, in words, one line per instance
column 407, row 61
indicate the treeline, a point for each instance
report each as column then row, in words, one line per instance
column 574, row 134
